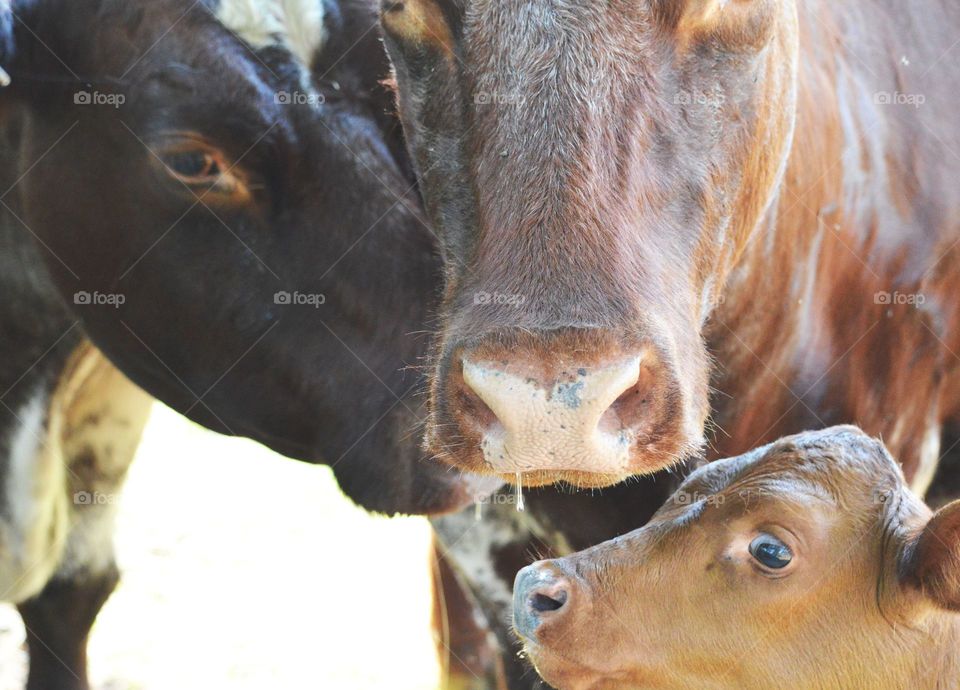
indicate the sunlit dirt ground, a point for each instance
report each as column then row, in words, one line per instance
column 245, row 570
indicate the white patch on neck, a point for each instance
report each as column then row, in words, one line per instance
column 34, row 525
column 24, row 449
column 296, row 25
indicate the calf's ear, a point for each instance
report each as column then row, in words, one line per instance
column 931, row 559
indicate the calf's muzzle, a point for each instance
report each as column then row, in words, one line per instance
column 541, row 594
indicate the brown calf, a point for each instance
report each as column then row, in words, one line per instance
column 805, row 564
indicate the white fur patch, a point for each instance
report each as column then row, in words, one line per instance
column 929, row 458
column 24, row 447
column 296, row 25
column 33, row 533
column 57, row 521
column 473, row 544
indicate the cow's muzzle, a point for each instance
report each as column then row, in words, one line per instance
column 591, row 412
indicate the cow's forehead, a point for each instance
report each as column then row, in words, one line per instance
column 296, row 25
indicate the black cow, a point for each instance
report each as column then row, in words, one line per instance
column 216, row 196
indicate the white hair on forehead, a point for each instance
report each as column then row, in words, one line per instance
column 296, row 25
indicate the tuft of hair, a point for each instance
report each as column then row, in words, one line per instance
column 296, row 25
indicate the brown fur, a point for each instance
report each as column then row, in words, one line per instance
column 465, row 644
column 422, row 22
column 721, row 185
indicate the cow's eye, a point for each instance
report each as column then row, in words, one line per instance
column 203, row 168
column 200, row 168
column 771, row 552
column 193, row 165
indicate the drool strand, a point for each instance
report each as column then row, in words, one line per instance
column 519, row 493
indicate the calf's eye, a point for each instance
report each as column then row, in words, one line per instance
column 771, row 552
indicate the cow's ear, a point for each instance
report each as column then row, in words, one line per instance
column 690, row 14
column 738, row 24
column 931, row 559
column 702, row 13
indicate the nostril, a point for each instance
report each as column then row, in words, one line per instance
column 471, row 404
column 632, row 408
column 542, row 603
column 625, row 410
column 542, row 597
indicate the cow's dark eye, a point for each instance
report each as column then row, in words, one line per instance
column 193, row 164
column 203, row 168
column 771, row 552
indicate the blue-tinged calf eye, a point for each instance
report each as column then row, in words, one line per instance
column 771, row 552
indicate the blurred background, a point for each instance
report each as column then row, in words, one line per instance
column 242, row 569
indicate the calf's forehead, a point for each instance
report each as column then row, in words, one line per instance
column 842, row 462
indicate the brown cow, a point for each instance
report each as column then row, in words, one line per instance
column 805, row 564
column 638, row 198
column 628, row 191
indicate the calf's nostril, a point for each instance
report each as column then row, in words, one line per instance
column 543, row 603
column 542, row 597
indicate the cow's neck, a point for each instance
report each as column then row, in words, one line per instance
column 803, row 338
